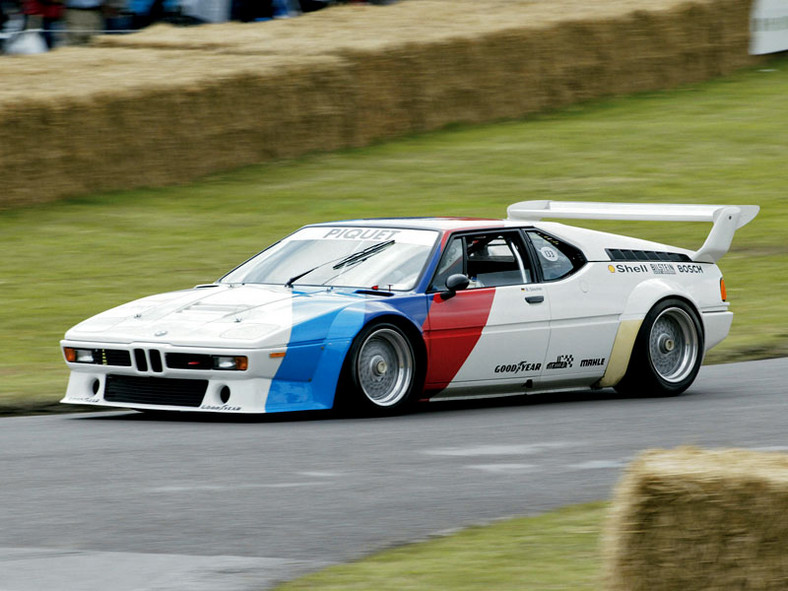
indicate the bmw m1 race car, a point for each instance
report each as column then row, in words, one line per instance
column 372, row 315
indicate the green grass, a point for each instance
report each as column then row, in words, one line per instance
column 556, row 550
column 719, row 142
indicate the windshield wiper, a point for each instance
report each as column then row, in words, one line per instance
column 361, row 255
column 341, row 262
column 297, row 277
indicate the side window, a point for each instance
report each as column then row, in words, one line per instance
column 557, row 259
column 489, row 260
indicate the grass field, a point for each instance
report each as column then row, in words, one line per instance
column 557, row 550
column 720, row 142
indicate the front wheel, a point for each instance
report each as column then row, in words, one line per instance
column 380, row 371
column 668, row 351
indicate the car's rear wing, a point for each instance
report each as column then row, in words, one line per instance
column 726, row 218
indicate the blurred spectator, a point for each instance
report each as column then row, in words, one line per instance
column 10, row 10
column 206, row 11
column 312, row 5
column 147, row 12
column 43, row 15
column 13, row 38
column 84, row 19
column 251, row 10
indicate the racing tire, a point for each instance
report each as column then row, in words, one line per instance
column 381, row 372
column 668, row 351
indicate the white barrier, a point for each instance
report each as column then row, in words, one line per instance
column 769, row 27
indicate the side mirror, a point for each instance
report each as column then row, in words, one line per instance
column 455, row 283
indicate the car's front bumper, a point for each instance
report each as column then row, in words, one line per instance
column 138, row 376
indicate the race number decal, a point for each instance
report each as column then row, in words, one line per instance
column 549, row 253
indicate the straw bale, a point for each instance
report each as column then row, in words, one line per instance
column 701, row 520
column 167, row 104
column 108, row 131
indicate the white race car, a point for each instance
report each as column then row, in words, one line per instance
column 372, row 315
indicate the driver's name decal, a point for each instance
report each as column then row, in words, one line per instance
column 361, row 233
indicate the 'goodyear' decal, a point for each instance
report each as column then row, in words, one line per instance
column 522, row 366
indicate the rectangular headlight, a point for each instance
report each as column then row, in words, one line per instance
column 237, row 363
column 78, row 355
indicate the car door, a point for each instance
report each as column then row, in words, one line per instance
column 491, row 337
column 584, row 315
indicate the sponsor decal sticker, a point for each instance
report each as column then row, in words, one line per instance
column 641, row 268
column 88, row 399
column 223, row 407
column 662, row 269
column 611, row 268
column 690, row 268
column 522, row 366
column 595, row 362
column 562, row 362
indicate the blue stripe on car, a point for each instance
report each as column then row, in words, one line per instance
column 324, row 326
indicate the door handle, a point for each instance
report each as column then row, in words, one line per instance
column 534, row 299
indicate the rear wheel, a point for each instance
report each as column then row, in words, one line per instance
column 380, row 371
column 668, row 351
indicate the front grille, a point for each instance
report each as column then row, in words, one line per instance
column 620, row 254
column 164, row 391
column 155, row 361
column 189, row 361
column 139, row 357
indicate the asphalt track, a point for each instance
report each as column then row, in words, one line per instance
column 93, row 502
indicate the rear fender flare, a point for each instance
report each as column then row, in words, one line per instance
column 640, row 301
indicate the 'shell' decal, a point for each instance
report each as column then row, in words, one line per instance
column 452, row 329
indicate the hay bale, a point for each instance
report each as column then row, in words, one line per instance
column 168, row 104
column 111, row 130
column 700, row 520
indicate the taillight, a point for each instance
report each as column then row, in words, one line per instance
column 723, row 291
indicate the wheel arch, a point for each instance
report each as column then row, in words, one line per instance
column 642, row 299
column 412, row 332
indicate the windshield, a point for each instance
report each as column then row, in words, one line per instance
column 364, row 258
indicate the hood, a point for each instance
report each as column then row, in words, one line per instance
column 216, row 315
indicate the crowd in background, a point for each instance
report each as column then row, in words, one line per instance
column 38, row 25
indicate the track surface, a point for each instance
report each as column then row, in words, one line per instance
column 120, row 501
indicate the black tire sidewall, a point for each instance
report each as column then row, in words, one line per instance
column 641, row 375
column 350, row 397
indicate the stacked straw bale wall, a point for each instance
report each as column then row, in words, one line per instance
column 170, row 104
column 700, row 520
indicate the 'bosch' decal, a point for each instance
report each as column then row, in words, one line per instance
column 689, row 268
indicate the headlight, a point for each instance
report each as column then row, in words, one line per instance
column 79, row 355
column 237, row 363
